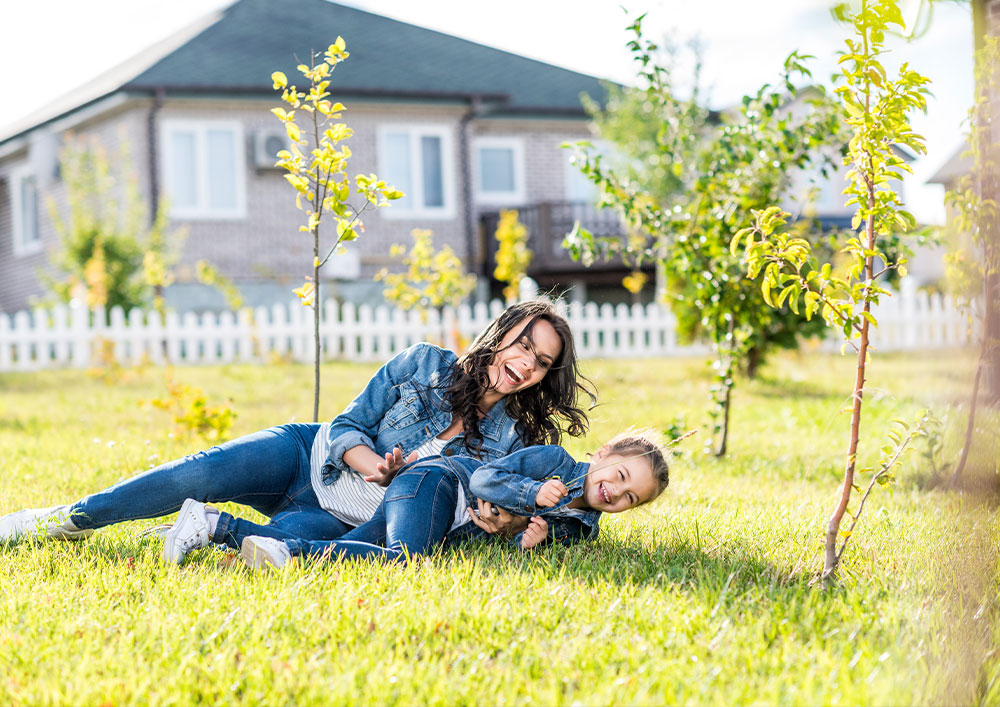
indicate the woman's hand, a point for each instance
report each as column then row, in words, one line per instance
column 536, row 532
column 495, row 520
column 551, row 492
column 385, row 471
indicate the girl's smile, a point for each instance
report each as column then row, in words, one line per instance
column 618, row 483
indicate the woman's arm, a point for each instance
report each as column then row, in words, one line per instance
column 496, row 520
column 357, row 426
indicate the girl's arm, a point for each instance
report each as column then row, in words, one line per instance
column 513, row 481
column 565, row 531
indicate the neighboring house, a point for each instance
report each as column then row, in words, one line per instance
column 461, row 128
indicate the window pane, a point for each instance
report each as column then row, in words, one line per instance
column 579, row 187
column 29, row 211
column 221, row 153
column 397, row 165
column 183, row 186
column 496, row 169
column 430, row 154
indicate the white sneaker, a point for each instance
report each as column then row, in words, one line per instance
column 191, row 532
column 51, row 523
column 259, row 552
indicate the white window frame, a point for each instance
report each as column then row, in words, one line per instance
column 202, row 210
column 515, row 197
column 21, row 247
column 415, row 132
column 572, row 172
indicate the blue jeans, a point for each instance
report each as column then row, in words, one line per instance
column 413, row 519
column 267, row 470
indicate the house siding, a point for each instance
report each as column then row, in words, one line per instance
column 20, row 283
column 266, row 245
column 265, row 248
column 546, row 161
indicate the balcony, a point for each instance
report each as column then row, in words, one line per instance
column 547, row 223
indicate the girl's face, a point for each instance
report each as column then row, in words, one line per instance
column 618, row 483
column 524, row 358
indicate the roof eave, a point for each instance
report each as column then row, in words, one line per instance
column 70, row 118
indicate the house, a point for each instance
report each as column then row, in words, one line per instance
column 463, row 129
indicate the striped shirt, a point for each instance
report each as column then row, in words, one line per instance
column 350, row 498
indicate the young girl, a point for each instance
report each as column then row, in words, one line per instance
column 516, row 386
column 562, row 497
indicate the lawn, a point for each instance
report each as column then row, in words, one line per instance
column 705, row 597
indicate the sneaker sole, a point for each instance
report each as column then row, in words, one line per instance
column 255, row 557
column 172, row 554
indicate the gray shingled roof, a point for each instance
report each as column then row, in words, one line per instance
column 388, row 57
column 958, row 165
column 235, row 50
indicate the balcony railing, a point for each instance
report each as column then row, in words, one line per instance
column 547, row 223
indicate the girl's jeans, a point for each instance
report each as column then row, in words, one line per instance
column 413, row 519
column 267, row 470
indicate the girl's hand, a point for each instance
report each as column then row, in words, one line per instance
column 551, row 493
column 496, row 520
column 386, row 471
column 537, row 531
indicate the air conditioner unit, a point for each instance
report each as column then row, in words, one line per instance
column 266, row 146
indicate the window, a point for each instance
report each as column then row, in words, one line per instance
column 24, row 199
column 579, row 187
column 417, row 161
column 203, row 169
column 499, row 171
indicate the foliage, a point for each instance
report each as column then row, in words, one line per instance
column 696, row 186
column 210, row 275
column 702, row 598
column 974, row 265
column 316, row 165
column 192, row 414
column 108, row 252
column 876, row 109
column 513, row 256
column 432, row 278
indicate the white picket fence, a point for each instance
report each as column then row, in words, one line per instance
column 72, row 337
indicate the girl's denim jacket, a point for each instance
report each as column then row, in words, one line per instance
column 513, row 482
column 403, row 406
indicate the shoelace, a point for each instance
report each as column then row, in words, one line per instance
column 194, row 540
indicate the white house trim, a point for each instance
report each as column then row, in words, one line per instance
column 202, row 208
column 416, row 207
column 514, row 197
column 19, row 218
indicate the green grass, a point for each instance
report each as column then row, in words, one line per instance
column 705, row 597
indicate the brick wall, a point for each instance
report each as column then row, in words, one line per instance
column 19, row 274
column 266, row 245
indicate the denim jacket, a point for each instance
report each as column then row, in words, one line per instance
column 403, row 406
column 513, row 482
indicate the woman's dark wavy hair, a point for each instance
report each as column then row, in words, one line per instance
column 544, row 411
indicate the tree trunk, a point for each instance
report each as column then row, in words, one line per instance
column 969, row 428
column 316, row 317
column 989, row 189
column 754, row 358
column 724, row 439
column 830, row 556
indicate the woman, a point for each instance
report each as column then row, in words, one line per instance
column 516, row 386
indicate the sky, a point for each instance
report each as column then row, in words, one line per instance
column 68, row 42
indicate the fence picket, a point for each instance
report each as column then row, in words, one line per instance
column 71, row 336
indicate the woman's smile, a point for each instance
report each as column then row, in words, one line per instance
column 524, row 357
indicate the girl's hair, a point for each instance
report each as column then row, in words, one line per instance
column 543, row 411
column 648, row 442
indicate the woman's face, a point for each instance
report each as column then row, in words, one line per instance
column 524, row 357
